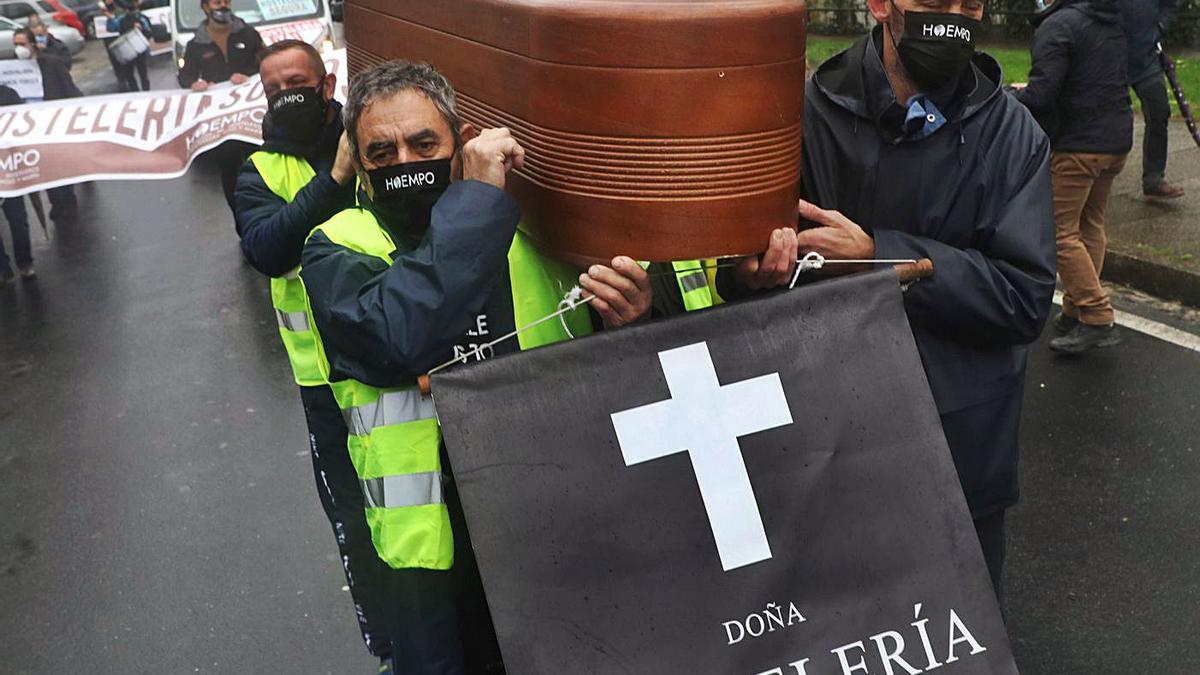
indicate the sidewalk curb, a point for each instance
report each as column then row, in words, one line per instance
column 1154, row 278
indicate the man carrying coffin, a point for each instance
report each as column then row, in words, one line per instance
column 300, row 178
column 427, row 268
column 912, row 151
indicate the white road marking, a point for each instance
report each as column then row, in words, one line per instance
column 1152, row 328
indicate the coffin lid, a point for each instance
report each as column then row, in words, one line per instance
column 619, row 33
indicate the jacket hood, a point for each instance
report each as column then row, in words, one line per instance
column 203, row 37
column 1103, row 11
column 841, row 79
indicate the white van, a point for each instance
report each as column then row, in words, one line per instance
column 275, row 20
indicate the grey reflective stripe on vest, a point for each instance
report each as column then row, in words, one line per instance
column 293, row 321
column 294, row 274
column 693, row 281
column 394, row 407
column 411, row 489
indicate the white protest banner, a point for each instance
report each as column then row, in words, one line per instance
column 24, row 76
column 147, row 135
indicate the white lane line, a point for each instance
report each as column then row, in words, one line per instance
column 1152, row 328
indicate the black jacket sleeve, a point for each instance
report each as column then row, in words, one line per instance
column 56, row 81
column 9, row 96
column 272, row 230
column 189, row 72
column 1051, row 61
column 58, row 50
column 385, row 325
column 999, row 290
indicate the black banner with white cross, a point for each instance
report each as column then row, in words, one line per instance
column 760, row 488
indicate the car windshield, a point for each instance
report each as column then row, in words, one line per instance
column 254, row 12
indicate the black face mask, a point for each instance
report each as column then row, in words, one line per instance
column 404, row 194
column 298, row 115
column 222, row 15
column 936, row 47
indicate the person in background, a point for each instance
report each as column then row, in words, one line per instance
column 122, row 71
column 1078, row 91
column 225, row 49
column 56, row 84
column 301, row 178
column 1145, row 22
column 132, row 19
column 18, row 220
column 50, row 46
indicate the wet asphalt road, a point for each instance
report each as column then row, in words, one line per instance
column 160, row 511
column 160, row 514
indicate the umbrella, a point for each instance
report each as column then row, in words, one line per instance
column 1185, row 109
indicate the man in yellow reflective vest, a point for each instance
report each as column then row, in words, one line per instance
column 427, row 267
column 299, row 179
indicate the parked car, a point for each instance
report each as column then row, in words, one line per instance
column 87, row 10
column 67, row 16
column 69, row 36
column 19, row 11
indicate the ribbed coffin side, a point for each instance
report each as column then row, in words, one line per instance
column 608, row 171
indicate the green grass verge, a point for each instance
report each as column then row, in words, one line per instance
column 1015, row 64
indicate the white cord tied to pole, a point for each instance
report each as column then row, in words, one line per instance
column 569, row 302
column 814, row 261
column 574, row 298
column 811, row 261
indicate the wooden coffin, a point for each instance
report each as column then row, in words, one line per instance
column 658, row 129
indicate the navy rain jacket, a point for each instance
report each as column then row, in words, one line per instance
column 272, row 230
column 1078, row 87
column 384, row 325
column 975, row 198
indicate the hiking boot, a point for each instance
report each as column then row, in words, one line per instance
column 1063, row 323
column 27, row 273
column 1084, row 337
column 1163, row 190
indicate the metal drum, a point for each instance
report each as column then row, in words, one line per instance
column 660, row 129
column 129, row 46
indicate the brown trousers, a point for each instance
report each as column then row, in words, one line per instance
column 1082, row 183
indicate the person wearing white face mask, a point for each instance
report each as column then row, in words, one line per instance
column 56, row 84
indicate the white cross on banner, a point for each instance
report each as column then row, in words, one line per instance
column 762, row 488
column 705, row 419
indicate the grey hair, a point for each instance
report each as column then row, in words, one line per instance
column 391, row 78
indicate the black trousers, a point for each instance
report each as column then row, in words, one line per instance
column 342, row 499
column 125, row 73
column 1157, row 112
column 442, row 624
column 18, row 225
column 428, row 621
column 990, row 529
column 229, row 157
